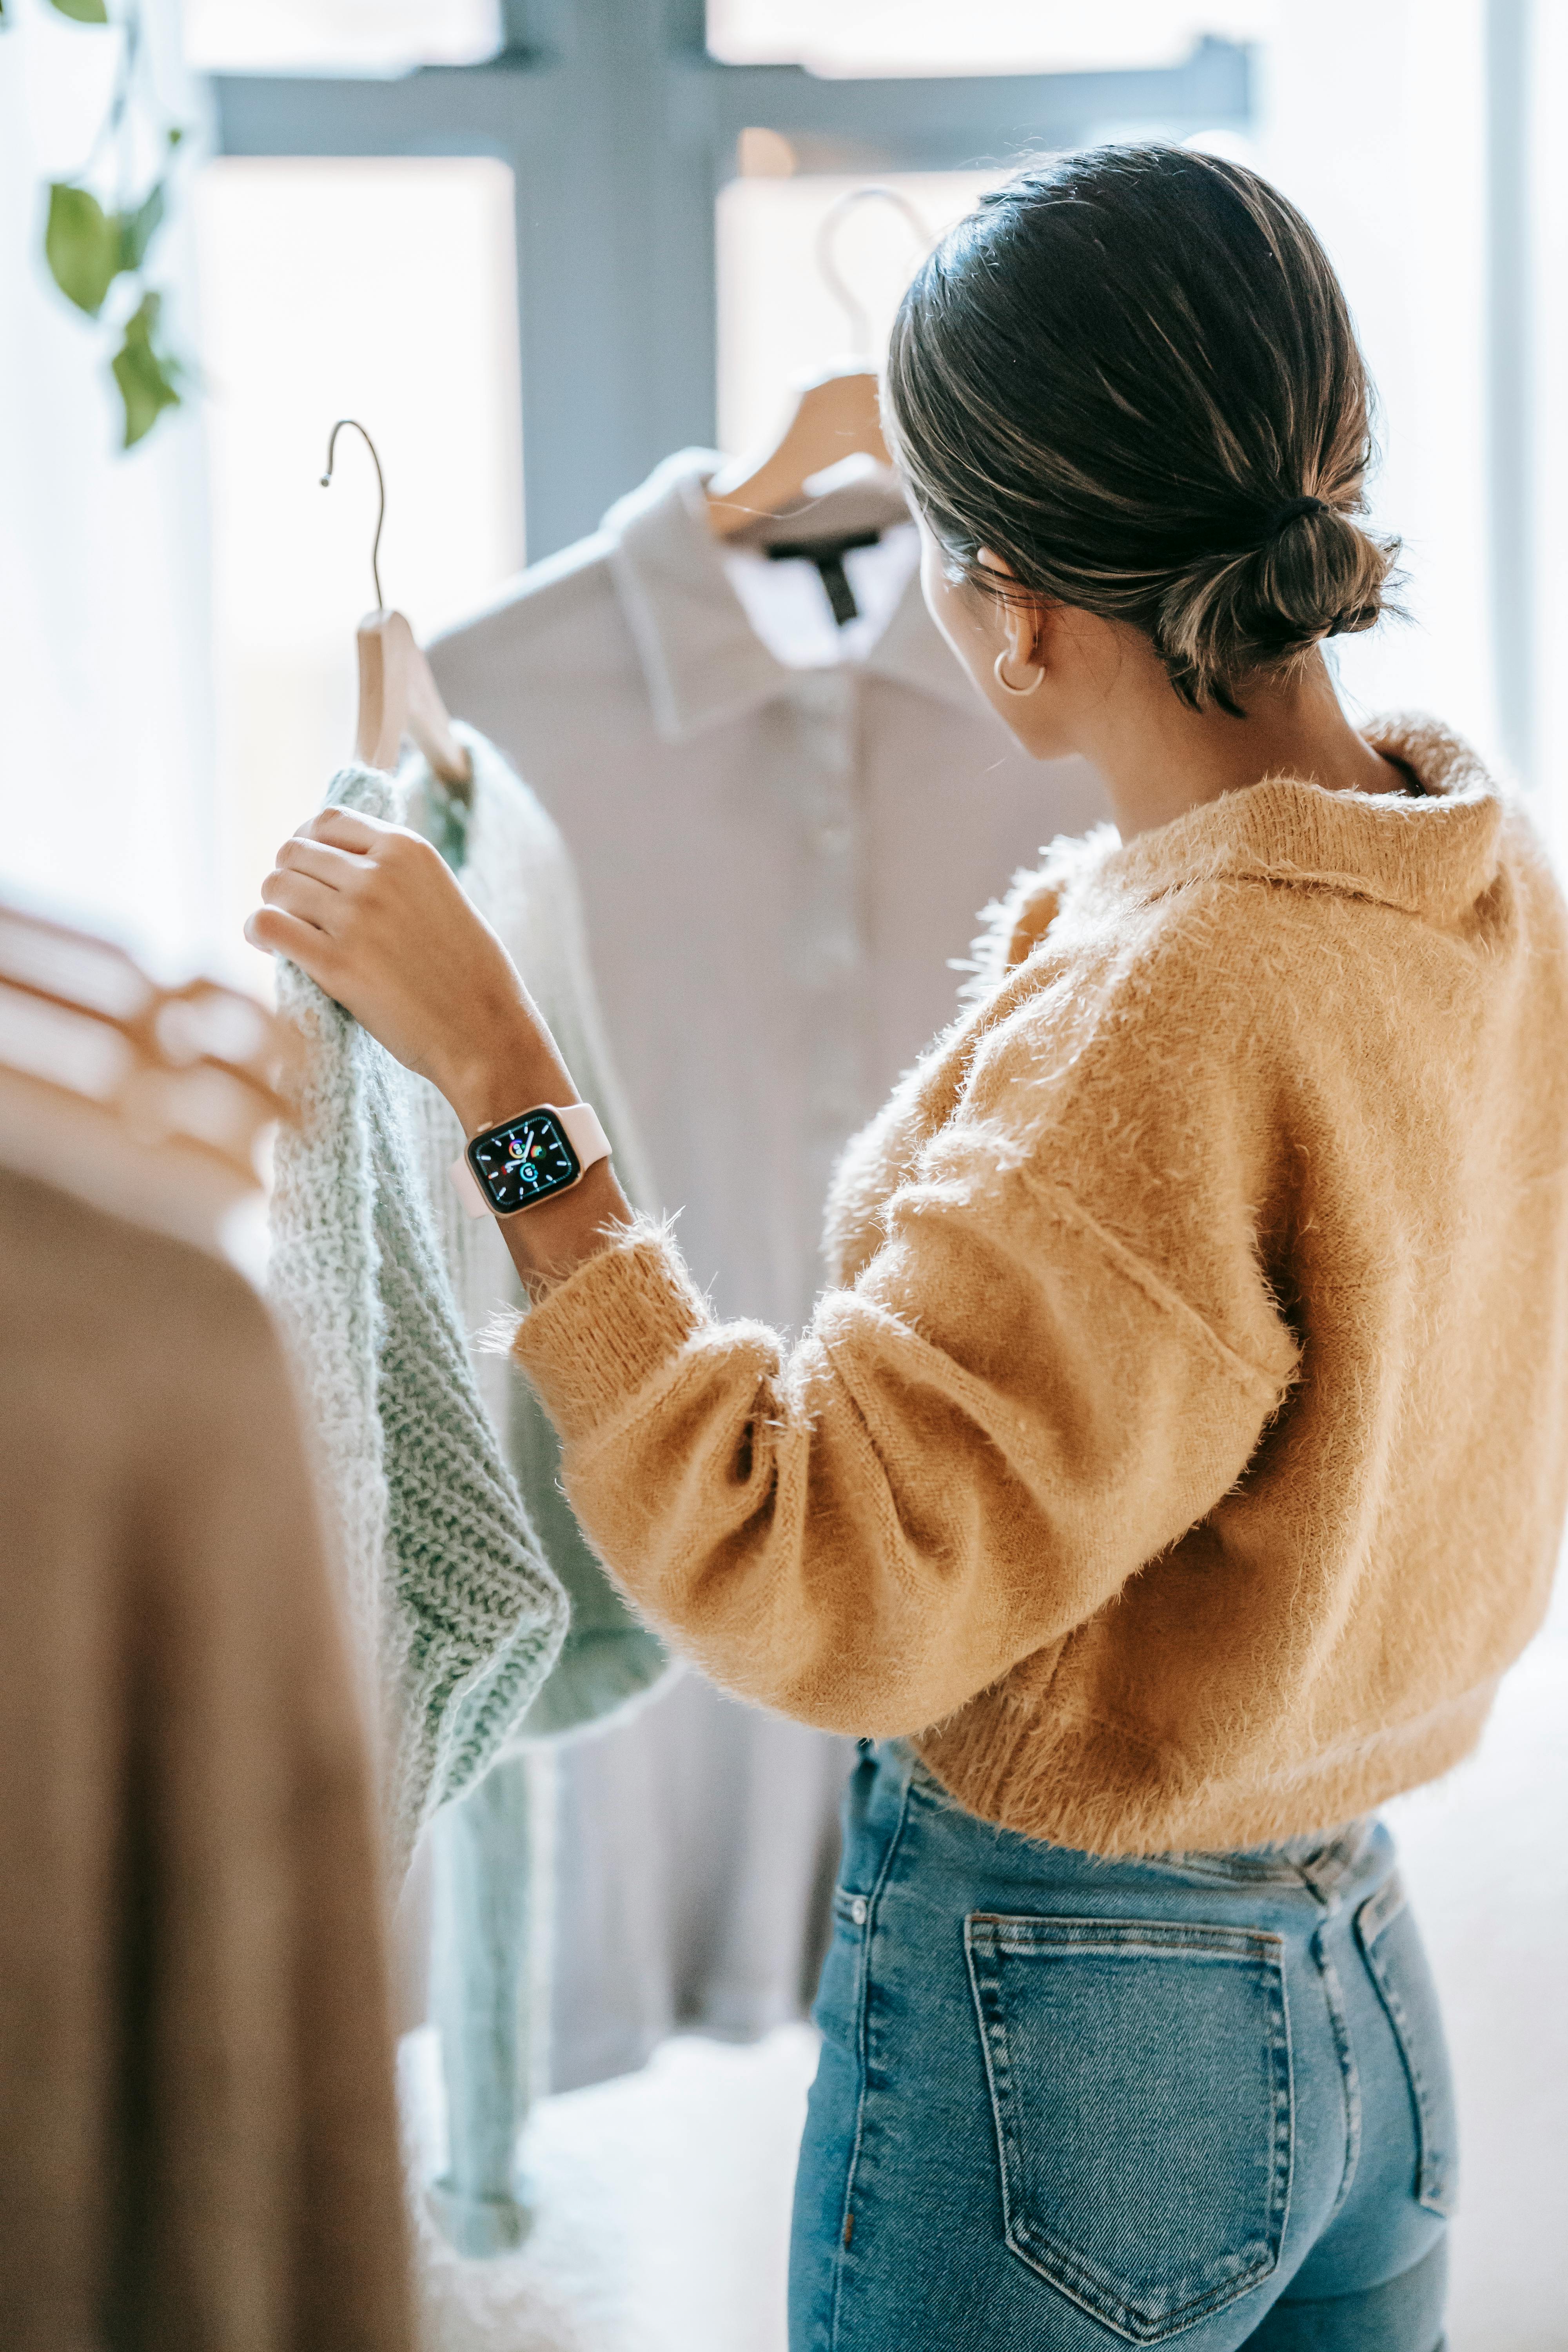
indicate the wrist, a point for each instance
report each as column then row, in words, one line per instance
column 551, row 1241
column 504, row 1075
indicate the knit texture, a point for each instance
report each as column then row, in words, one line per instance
column 456, row 1617
column 513, row 865
column 1177, row 1456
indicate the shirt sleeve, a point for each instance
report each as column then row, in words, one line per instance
column 1006, row 1415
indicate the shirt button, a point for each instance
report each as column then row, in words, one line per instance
column 858, row 1910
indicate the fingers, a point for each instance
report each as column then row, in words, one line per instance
column 346, row 828
column 302, row 896
column 365, row 836
column 339, row 869
column 276, row 932
column 361, row 848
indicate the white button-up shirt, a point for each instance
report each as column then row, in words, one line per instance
column 780, row 859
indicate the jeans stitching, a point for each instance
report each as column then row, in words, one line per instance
column 1031, row 1931
column 1378, row 1912
column 994, row 2049
column 1069, row 2272
column 862, row 2051
column 1284, row 2105
column 1334, row 1995
column 1428, row 2181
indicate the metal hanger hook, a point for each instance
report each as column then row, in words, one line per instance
column 381, row 486
column 833, row 277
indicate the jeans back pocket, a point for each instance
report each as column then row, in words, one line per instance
column 1140, row 2091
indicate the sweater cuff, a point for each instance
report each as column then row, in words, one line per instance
column 594, row 1341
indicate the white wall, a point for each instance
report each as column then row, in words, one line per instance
column 1372, row 121
column 1548, row 262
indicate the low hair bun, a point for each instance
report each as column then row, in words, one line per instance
column 1316, row 574
column 1132, row 375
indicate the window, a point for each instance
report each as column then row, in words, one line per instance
column 779, row 318
column 621, row 129
column 982, row 37
column 363, row 37
column 381, row 290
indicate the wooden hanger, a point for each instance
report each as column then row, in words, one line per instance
column 154, row 1103
column 836, row 413
column 397, row 691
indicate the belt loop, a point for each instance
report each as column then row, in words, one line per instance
column 1329, row 1871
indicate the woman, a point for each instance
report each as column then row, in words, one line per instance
column 1174, row 1465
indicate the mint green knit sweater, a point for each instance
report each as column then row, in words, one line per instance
column 454, row 1613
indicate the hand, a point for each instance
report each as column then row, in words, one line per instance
column 377, row 920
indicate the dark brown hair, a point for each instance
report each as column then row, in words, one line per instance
column 1132, row 373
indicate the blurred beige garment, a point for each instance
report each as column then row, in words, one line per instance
column 197, row 2138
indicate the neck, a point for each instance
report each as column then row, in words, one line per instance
column 1158, row 758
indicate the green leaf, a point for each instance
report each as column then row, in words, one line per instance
column 175, row 131
column 82, row 12
column 138, row 229
column 146, row 376
column 81, row 246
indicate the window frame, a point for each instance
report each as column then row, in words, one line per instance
column 619, row 130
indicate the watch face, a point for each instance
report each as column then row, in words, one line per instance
column 524, row 1161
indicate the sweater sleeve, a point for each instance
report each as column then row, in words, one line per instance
column 967, row 1454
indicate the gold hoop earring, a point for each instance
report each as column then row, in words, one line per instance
column 1006, row 684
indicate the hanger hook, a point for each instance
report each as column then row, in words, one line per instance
column 381, row 486
column 833, row 277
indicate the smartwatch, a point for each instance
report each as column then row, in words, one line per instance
column 533, row 1156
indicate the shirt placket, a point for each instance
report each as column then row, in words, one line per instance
column 833, row 964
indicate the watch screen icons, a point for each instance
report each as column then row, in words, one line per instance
column 524, row 1160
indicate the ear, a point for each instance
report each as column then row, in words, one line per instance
column 1023, row 618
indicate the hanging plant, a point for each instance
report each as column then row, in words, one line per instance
column 96, row 248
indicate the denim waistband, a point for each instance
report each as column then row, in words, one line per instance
column 1323, row 1857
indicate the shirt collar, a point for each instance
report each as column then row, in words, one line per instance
column 1432, row 855
column 703, row 661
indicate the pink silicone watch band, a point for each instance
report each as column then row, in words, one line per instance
column 584, row 1132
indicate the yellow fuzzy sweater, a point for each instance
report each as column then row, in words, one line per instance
column 1179, row 1454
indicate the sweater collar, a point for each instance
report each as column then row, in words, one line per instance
column 1432, row 856
column 703, row 661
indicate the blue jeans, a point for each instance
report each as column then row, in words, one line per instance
column 1074, row 2103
